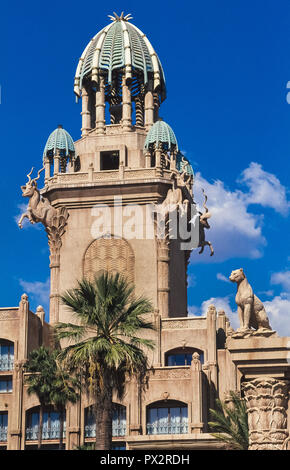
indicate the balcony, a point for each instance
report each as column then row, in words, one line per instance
column 118, row 430
column 118, row 421
column 3, row 434
column 167, row 428
column 47, row 433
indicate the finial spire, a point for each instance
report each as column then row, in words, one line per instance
column 116, row 17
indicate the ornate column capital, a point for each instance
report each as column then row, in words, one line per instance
column 267, row 403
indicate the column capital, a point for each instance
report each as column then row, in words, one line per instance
column 267, row 403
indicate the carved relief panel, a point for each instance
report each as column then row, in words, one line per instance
column 109, row 254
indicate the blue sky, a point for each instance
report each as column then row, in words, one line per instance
column 227, row 65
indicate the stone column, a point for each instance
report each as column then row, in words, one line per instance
column 23, row 331
column 149, row 110
column 267, row 403
column 147, row 159
column 163, row 289
column 158, row 164
column 100, row 107
column 134, row 417
column 47, row 170
column 73, row 420
column 54, row 284
column 126, row 107
column 86, row 115
column 212, row 353
column 196, row 380
column 56, row 162
column 15, row 412
column 55, row 233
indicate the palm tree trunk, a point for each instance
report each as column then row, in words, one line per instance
column 61, row 416
column 104, row 409
column 40, row 428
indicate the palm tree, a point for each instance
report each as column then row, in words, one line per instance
column 230, row 422
column 52, row 384
column 64, row 390
column 104, row 342
column 42, row 367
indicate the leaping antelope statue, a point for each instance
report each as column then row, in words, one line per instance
column 39, row 209
column 203, row 224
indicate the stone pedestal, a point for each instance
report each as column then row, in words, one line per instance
column 267, row 402
column 263, row 364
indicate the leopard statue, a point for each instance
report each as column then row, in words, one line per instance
column 252, row 314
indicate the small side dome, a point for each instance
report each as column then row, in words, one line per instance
column 60, row 140
column 162, row 133
column 182, row 164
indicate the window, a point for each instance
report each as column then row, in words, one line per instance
column 109, row 160
column 182, row 357
column 6, row 355
column 167, row 418
column 5, row 385
column 3, row 426
column 118, row 421
column 51, row 425
column 119, row 446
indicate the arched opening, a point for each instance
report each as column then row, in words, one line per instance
column 118, row 421
column 6, row 355
column 51, row 424
column 167, row 417
column 182, row 356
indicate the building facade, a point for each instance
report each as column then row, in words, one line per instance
column 100, row 204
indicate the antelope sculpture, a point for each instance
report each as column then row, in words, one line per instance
column 39, row 209
column 203, row 224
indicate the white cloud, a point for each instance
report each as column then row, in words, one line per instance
column 37, row 291
column 265, row 189
column 282, row 278
column 220, row 303
column 222, row 277
column 278, row 311
column 235, row 231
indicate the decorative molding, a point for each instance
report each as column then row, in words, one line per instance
column 183, row 324
column 168, row 373
column 9, row 314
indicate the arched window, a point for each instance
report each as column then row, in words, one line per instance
column 118, row 421
column 3, row 426
column 6, row 355
column 167, row 417
column 51, row 424
column 182, row 356
column 109, row 254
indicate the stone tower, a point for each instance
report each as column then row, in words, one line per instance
column 126, row 162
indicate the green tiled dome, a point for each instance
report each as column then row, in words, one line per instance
column 120, row 46
column 161, row 132
column 61, row 140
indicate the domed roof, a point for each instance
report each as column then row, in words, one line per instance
column 161, row 132
column 120, row 45
column 61, row 140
